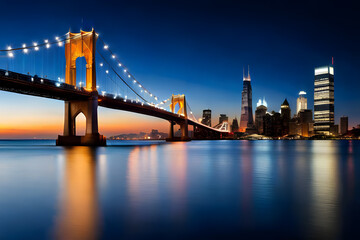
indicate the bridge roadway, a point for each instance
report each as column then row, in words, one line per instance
column 41, row 87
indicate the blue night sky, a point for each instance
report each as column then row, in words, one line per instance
column 199, row 48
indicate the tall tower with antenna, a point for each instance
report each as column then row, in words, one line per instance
column 246, row 119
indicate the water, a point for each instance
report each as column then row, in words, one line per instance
column 194, row 190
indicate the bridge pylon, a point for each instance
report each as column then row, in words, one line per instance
column 81, row 44
column 181, row 101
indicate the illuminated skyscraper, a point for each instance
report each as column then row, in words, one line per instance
column 324, row 100
column 260, row 112
column 206, row 119
column 246, row 120
column 301, row 103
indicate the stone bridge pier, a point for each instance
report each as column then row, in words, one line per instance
column 89, row 109
column 183, row 129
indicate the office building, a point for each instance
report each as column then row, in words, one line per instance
column 260, row 112
column 223, row 118
column 246, row 119
column 206, row 118
column 301, row 103
column 324, row 100
column 235, row 125
column 344, row 125
column 285, row 117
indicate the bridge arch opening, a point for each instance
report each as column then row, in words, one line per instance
column 81, row 72
column 80, row 124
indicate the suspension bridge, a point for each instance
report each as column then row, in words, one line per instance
column 106, row 82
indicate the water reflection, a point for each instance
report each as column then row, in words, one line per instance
column 78, row 208
column 204, row 189
column 325, row 190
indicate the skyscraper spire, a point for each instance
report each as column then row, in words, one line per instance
column 246, row 78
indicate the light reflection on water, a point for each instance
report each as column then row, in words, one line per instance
column 199, row 189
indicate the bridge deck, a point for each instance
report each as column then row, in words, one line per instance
column 42, row 87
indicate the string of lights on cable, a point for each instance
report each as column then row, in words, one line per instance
column 129, row 75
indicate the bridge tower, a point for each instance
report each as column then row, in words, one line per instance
column 81, row 44
column 181, row 101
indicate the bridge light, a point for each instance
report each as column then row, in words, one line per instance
column 48, row 45
column 124, row 70
column 46, row 41
column 129, row 76
column 140, row 86
column 42, row 80
column 58, row 84
column 150, row 94
column 36, row 46
column 97, row 86
column 25, row 49
column 107, row 71
column 156, row 98
column 101, row 64
column 10, row 54
column 57, row 38
column 113, row 56
column 106, row 46
column 60, row 44
column 134, row 81
column 119, row 64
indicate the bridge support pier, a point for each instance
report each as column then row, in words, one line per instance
column 184, row 132
column 184, row 128
column 89, row 109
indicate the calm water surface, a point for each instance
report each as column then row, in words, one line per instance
column 194, row 190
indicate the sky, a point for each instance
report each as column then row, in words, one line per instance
column 196, row 48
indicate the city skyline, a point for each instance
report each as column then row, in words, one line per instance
column 195, row 72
